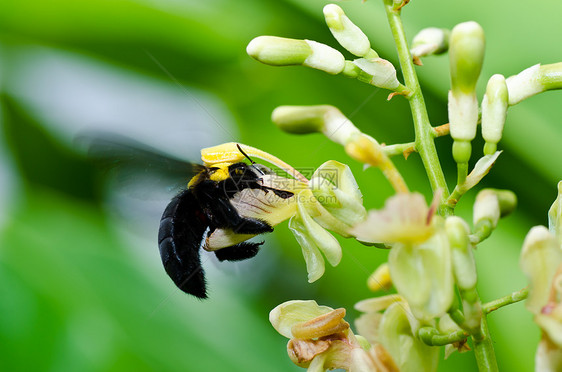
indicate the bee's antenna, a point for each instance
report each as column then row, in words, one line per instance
column 250, row 159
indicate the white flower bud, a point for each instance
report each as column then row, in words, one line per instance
column 463, row 116
column 524, row 85
column 346, row 32
column 324, row 58
column 431, row 40
column 381, row 73
column 278, row 51
column 486, row 207
column 494, row 111
column 535, row 79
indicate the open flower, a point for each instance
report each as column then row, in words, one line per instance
column 389, row 322
column 406, row 218
column 329, row 200
column 320, row 339
column 419, row 262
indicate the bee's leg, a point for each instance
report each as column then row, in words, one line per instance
column 224, row 215
column 251, row 226
column 238, row 252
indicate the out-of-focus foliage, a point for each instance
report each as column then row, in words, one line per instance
column 78, row 294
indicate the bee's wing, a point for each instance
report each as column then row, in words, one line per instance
column 133, row 164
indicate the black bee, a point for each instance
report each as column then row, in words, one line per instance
column 224, row 205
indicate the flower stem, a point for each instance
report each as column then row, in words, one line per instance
column 506, row 300
column 431, row 336
column 424, row 132
column 404, row 149
column 484, row 349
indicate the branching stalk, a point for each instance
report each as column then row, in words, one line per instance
column 425, row 146
column 506, row 300
column 423, row 130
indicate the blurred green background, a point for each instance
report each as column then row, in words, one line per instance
column 81, row 283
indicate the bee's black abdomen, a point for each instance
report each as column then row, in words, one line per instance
column 183, row 231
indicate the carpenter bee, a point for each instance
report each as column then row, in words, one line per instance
column 225, row 203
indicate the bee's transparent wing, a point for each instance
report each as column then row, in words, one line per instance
column 136, row 168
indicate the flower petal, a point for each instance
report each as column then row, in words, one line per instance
column 312, row 256
column 423, row 274
column 288, row 314
column 403, row 219
column 540, row 259
column 555, row 215
column 409, row 353
column 334, row 186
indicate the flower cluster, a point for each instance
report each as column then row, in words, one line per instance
column 431, row 262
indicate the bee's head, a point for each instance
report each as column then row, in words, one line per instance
column 242, row 172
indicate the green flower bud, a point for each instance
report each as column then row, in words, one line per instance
column 486, row 207
column 346, row 32
column 278, row 51
column 540, row 260
column 534, row 80
column 466, row 54
column 423, row 274
column 507, row 200
column 494, row 111
column 379, row 72
column 431, row 40
column 462, row 151
column 555, row 215
column 464, row 266
column 324, row 119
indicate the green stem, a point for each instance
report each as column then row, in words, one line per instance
column 431, row 336
column 484, row 349
column 400, row 149
column 482, row 231
column 506, row 300
column 424, row 132
column 462, row 172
